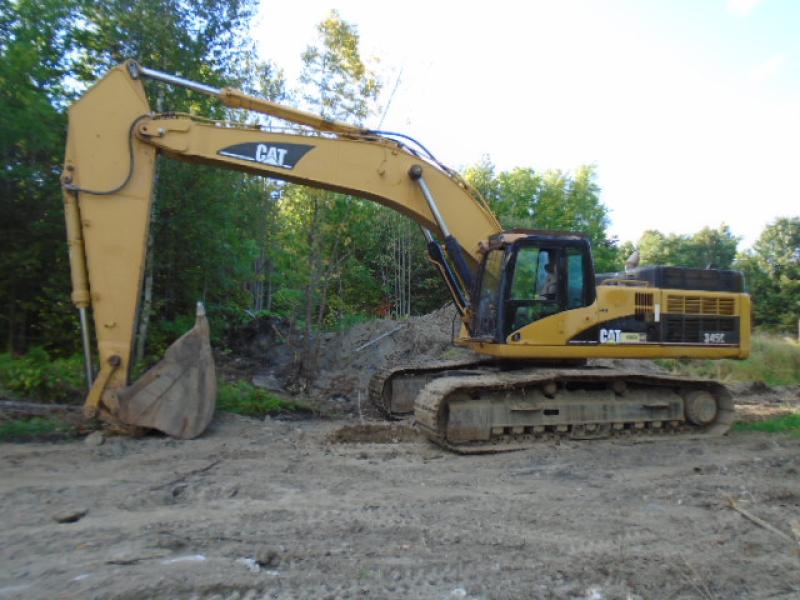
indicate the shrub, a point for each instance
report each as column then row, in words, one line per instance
column 244, row 398
column 37, row 376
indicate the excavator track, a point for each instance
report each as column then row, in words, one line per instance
column 503, row 411
column 394, row 389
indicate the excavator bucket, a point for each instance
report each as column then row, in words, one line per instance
column 178, row 395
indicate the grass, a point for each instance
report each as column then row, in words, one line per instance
column 773, row 360
column 36, row 428
column 782, row 424
column 243, row 398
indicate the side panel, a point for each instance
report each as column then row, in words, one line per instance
column 114, row 226
column 628, row 322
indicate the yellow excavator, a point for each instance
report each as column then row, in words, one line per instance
column 530, row 301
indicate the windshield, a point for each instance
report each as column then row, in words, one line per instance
column 534, row 274
column 489, row 298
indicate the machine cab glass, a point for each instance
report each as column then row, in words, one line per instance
column 531, row 279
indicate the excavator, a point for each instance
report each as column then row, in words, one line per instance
column 530, row 303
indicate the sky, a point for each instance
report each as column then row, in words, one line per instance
column 690, row 109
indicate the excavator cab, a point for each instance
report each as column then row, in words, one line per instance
column 527, row 277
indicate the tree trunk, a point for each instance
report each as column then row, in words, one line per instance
column 12, row 305
column 147, row 299
column 307, row 366
column 257, row 286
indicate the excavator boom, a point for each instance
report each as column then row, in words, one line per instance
column 113, row 140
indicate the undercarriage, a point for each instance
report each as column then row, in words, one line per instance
column 480, row 407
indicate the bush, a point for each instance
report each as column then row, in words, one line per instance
column 244, row 398
column 36, row 375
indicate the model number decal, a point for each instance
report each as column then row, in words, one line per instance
column 714, row 338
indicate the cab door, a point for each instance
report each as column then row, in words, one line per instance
column 546, row 279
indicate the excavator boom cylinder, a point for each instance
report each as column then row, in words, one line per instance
column 238, row 99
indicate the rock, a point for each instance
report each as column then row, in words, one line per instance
column 96, row 438
column 70, row 516
column 267, row 381
column 759, row 387
column 252, row 565
column 267, row 557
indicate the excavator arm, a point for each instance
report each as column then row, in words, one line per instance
column 113, row 140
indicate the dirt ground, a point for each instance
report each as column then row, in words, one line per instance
column 323, row 509
column 344, row 507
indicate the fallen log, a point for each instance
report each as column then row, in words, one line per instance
column 18, row 408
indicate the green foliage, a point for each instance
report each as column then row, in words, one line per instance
column 35, row 428
column 554, row 200
column 337, row 83
column 773, row 360
column 772, row 271
column 243, row 398
column 715, row 248
column 196, row 39
column 782, row 424
column 34, row 40
column 37, row 375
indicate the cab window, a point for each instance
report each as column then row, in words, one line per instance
column 576, row 294
column 534, row 287
column 486, row 322
column 527, row 276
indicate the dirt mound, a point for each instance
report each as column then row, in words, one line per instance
column 348, row 360
column 267, row 353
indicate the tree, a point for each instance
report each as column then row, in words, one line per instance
column 336, row 84
column 708, row 248
column 206, row 40
column 34, row 39
column 554, row 200
column 772, row 271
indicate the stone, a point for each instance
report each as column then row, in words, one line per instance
column 96, row 438
column 70, row 516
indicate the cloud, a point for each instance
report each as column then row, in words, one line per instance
column 768, row 69
column 742, row 7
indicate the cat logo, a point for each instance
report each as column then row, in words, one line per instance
column 610, row 336
column 285, row 156
column 270, row 155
